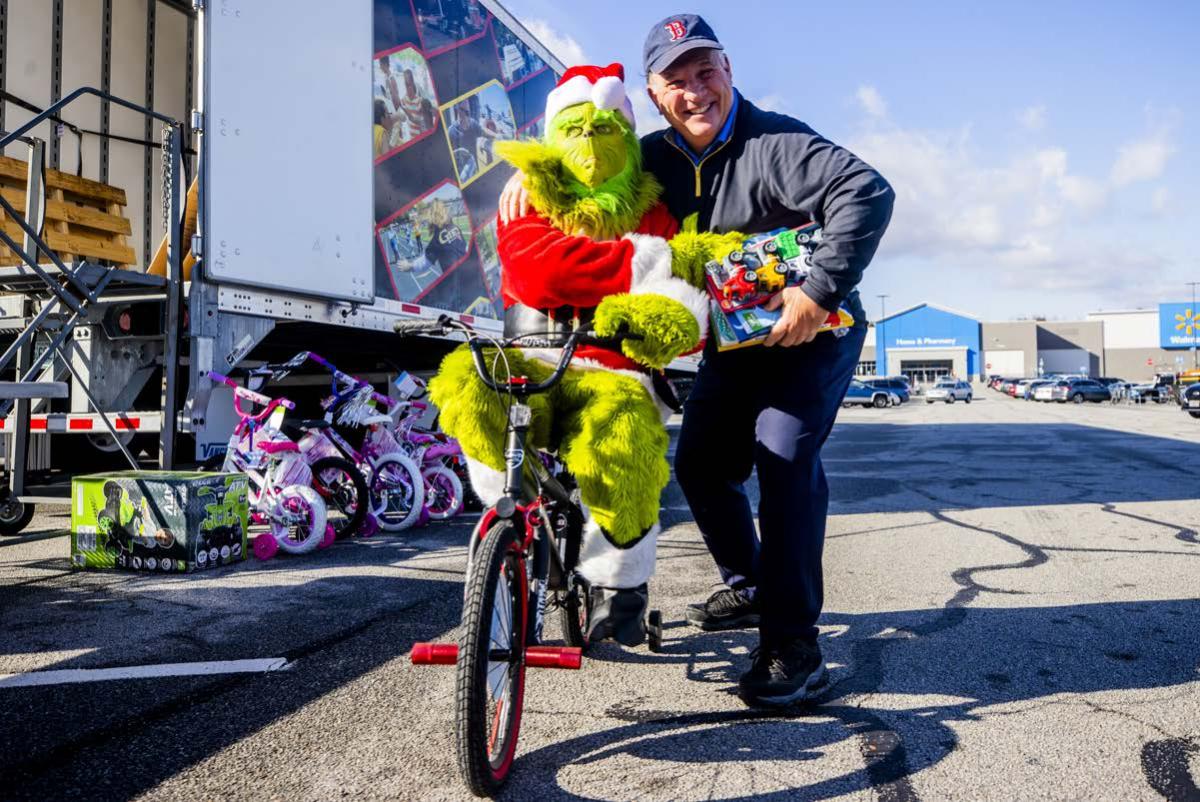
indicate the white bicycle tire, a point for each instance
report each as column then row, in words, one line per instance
column 396, row 521
column 456, row 487
column 317, row 516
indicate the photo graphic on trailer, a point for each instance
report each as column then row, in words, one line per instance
column 445, row 24
column 405, row 101
column 489, row 262
column 472, row 123
column 425, row 240
column 518, row 61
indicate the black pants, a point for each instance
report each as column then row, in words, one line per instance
column 768, row 410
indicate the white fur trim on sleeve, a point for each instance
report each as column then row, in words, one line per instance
column 602, row 563
column 651, row 259
column 487, row 482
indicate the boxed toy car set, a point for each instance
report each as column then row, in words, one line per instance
column 739, row 285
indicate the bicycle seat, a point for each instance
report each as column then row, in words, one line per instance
column 278, row 446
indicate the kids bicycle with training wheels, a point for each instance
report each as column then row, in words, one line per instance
column 280, row 491
column 523, row 556
column 395, row 486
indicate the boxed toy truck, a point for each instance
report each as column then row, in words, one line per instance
column 158, row 521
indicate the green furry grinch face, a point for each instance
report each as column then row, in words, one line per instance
column 592, row 143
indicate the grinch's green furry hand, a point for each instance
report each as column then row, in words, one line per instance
column 692, row 250
column 666, row 326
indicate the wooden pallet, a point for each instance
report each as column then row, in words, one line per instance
column 84, row 219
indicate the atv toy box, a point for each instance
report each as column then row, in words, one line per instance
column 158, row 521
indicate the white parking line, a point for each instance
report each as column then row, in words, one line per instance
column 76, row 675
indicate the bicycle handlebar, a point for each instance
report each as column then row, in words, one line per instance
column 519, row 385
column 269, row 404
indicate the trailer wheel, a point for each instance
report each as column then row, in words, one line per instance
column 14, row 515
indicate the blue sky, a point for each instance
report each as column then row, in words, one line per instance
column 1044, row 154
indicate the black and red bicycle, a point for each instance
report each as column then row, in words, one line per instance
column 523, row 556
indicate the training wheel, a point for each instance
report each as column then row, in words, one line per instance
column 654, row 630
column 265, row 546
column 330, row 536
column 370, row 526
column 423, row 518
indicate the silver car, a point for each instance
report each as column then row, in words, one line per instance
column 949, row 392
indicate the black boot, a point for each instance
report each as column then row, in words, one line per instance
column 617, row 613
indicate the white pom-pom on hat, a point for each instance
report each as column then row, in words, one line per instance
column 602, row 86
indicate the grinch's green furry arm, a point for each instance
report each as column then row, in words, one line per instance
column 667, row 327
column 691, row 250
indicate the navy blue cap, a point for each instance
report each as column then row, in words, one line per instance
column 674, row 36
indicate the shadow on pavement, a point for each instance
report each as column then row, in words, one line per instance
column 119, row 739
column 933, row 667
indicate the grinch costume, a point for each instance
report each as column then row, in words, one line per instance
column 596, row 251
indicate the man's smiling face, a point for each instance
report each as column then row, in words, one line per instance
column 695, row 95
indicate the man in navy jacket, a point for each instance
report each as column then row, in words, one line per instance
column 765, row 409
column 770, row 408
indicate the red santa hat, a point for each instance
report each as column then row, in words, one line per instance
column 603, row 86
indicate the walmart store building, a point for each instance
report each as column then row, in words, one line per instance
column 927, row 341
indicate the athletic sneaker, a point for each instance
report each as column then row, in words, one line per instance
column 784, row 674
column 725, row 609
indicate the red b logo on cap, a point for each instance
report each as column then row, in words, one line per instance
column 676, row 30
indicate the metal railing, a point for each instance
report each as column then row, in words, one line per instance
column 82, row 288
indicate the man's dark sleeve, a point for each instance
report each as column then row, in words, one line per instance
column 851, row 201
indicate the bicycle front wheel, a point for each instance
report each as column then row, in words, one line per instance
column 443, row 492
column 490, row 681
column 397, row 492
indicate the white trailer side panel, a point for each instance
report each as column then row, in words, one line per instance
column 28, row 66
column 82, row 54
column 287, row 143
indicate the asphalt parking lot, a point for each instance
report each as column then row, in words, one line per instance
column 1011, row 608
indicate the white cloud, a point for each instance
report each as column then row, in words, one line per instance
column 1028, row 223
column 563, row 46
column 1160, row 201
column 1033, row 118
column 648, row 118
column 871, row 101
column 1143, row 160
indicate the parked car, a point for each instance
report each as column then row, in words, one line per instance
column 1148, row 392
column 1044, row 391
column 863, row 394
column 949, row 392
column 1032, row 388
column 1189, row 399
column 1079, row 390
column 893, row 384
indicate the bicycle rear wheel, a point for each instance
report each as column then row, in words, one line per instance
column 344, row 492
column 490, row 680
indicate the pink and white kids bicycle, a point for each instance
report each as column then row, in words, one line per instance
column 280, row 491
column 444, row 494
column 396, row 488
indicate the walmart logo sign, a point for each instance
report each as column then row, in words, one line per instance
column 1179, row 325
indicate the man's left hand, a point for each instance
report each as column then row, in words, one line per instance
column 801, row 320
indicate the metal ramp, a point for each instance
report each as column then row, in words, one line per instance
column 56, row 296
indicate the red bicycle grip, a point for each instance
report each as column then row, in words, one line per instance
column 434, row 654
column 554, row 657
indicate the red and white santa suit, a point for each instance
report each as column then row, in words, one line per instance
column 547, row 269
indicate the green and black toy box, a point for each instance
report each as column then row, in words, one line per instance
column 160, row 521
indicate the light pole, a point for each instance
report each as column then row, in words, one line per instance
column 1195, row 334
column 882, row 338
